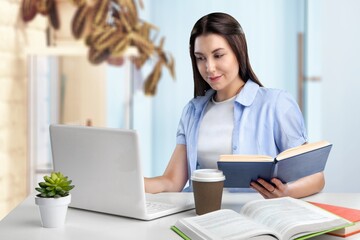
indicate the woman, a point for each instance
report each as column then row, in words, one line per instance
column 232, row 113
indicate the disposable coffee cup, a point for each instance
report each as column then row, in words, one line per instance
column 208, row 187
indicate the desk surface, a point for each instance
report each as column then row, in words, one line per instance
column 24, row 221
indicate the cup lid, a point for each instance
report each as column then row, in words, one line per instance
column 207, row 175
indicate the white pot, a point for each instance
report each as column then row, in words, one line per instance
column 53, row 210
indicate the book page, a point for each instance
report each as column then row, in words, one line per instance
column 245, row 158
column 291, row 217
column 225, row 224
column 301, row 149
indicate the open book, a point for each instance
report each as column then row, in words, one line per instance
column 288, row 166
column 279, row 218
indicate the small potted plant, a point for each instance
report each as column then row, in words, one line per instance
column 53, row 199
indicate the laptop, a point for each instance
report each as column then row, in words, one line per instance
column 105, row 167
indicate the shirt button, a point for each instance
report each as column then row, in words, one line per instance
column 234, row 147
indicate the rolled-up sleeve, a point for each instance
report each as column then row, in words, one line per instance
column 183, row 124
column 290, row 130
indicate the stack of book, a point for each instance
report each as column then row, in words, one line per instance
column 352, row 215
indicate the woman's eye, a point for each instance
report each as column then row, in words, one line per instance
column 218, row 55
column 198, row 58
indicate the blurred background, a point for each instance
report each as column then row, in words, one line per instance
column 309, row 48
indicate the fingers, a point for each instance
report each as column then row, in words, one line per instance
column 278, row 184
column 272, row 189
column 260, row 189
column 268, row 186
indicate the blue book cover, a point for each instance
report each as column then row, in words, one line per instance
column 290, row 165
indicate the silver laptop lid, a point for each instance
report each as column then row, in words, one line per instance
column 104, row 165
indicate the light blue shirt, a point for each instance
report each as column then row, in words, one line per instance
column 266, row 121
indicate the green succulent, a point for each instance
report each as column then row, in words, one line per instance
column 56, row 185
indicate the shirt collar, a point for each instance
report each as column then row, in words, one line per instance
column 246, row 96
column 199, row 102
column 248, row 93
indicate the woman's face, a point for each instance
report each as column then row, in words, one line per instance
column 217, row 65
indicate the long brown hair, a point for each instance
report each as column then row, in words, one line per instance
column 226, row 26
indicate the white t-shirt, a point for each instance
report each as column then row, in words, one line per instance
column 215, row 133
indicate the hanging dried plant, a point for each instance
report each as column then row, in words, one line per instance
column 29, row 9
column 109, row 27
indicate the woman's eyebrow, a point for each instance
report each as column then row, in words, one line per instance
column 218, row 49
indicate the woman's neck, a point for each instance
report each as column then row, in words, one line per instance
column 223, row 95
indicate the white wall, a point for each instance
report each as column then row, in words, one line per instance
column 340, row 92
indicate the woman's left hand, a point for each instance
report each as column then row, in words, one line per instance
column 274, row 189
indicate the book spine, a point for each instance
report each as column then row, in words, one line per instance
column 274, row 169
column 180, row 233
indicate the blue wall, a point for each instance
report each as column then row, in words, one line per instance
column 271, row 28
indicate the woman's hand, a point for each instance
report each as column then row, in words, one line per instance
column 302, row 187
column 274, row 189
column 175, row 175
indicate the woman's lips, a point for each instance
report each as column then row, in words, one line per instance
column 215, row 78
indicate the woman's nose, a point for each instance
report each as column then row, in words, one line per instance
column 210, row 65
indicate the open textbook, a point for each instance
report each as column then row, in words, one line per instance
column 288, row 166
column 279, row 218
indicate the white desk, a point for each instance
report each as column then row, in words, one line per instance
column 24, row 221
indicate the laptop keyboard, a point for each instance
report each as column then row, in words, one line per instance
column 154, row 207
